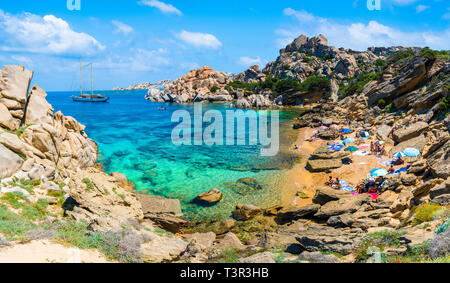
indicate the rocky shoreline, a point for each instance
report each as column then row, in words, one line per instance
column 51, row 185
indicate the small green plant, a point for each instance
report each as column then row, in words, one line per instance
column 89, row 186
column 229, row 256
column 380, row 240
column 214, row 89
column 425, row 213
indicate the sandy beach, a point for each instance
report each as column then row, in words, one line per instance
column 300, row 184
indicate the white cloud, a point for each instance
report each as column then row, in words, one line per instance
column 359, row 35
column 122, row 28
column 248, row 61
column 50, row 35
column 139, row 60
column 198, row 39
column 421, row 8
column 163, row 7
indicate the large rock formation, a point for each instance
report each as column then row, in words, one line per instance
column 197, row 85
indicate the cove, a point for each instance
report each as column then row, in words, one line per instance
column 134, row 138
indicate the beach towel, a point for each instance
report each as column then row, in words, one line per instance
column 345, row 187
column 361, row 153
column 385, row 163
column 335, row 147
column 374, row 195
column 364, row 146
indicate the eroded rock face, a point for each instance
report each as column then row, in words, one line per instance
column 208, row 198
column 101, row 202
column 10, row 162
column 197, row 85
column 245, row 212
column 253, row 74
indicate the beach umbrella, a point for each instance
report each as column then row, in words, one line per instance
column 378, row 172
column 367, row 125
column 351, row 149
column 380, row 143
column 349, row 140
column 411, row 152
column 326, row 123
column 399, row 155
column 345, row 131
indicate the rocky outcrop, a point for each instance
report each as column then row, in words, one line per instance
column 246, row 212
column 10, row 162
column 197, row 85
column 164, row 213
column 251, row 75
column 209, row 198
column 101, row 202
column 146, row 85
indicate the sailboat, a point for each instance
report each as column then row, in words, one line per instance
column 83, row 97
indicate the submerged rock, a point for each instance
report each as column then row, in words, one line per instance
column 246, row 212
column 211, row 197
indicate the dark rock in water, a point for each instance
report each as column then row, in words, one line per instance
column 243, row 186
column 209, row 198
column 290, row 214
column 246, row 212
column 250, row 183
column 121, row 153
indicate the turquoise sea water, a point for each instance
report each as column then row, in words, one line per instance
column 134, row 138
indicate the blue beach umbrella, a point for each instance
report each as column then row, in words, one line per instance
column 411, row 152
column 399, row 155
column 378, row 172
column 349, row 140
column 367, row 125
column 345, row 131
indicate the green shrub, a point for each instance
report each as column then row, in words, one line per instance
column 425, row 213
column 381, row 103
column 13, row 226
column 381, row 240
column 214, row 89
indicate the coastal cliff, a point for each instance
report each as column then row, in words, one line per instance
column 52, row 191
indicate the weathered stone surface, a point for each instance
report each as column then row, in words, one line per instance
column 342, row 206
column 14, row 83
column 225, row 226
column 384, row 131
column 165, row 213
column 410, row 132
column 101, row 202
column 230, row 241
column 326, row 194
column 417, row 143
column 442, row 189
column 324, row 153
column 7, row 120
column 317, row 257
column 324, row 165
column 211, row 197
column 266, row 257
column 439, row 162
column 440, row 245
column 204, row 240
column 39, row 111
column 123, row 181
column 162, row 249
column 426, row 187
column 10, row 162
column 290, row 214
column 245, row 212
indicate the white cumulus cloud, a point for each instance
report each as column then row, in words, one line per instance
column 199, row 39
column 122, row 28
column 421, row 8
column 358, row 35
column 49, row 35
column 248, row 61
column 163, row 7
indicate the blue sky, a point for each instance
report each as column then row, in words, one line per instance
column 131, row 41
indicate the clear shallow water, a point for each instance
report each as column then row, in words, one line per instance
column 134, row 138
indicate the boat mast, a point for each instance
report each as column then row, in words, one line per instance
column 81, row 78
column 92, row 84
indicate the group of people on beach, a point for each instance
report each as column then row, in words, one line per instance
column 334, row 183
column 377, row 148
